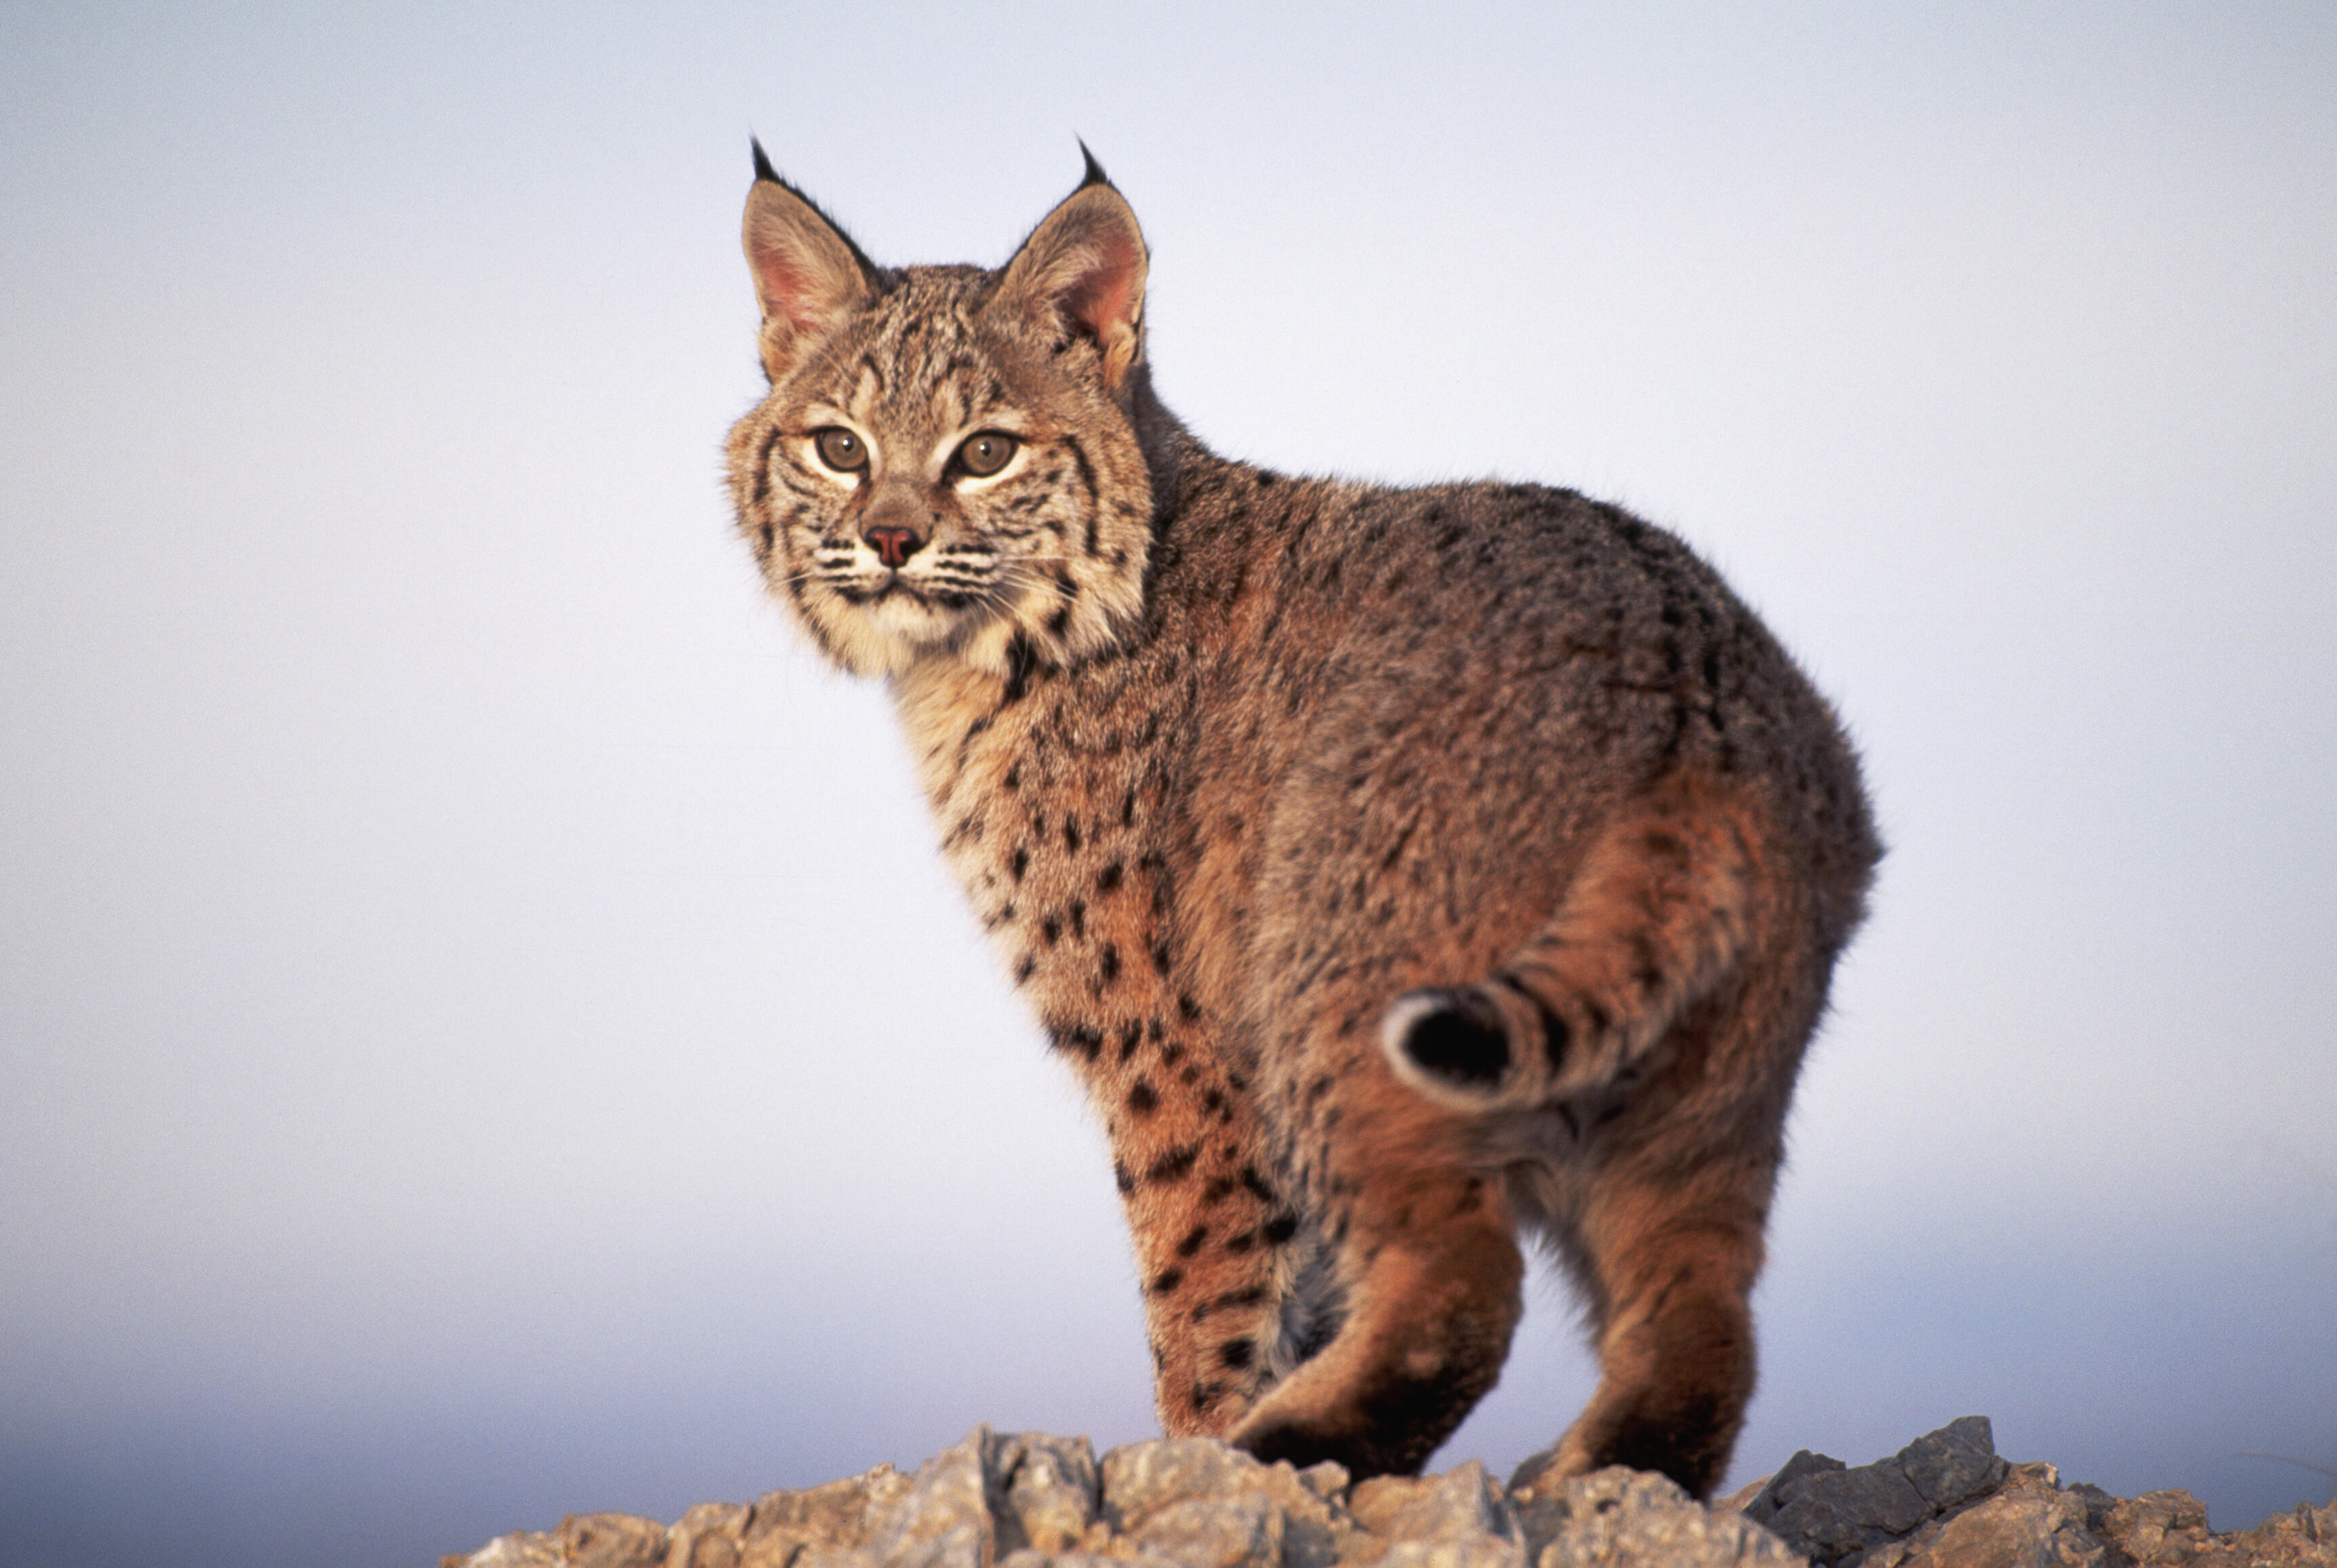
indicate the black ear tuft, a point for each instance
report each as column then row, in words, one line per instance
column 763, row 169
column 1095, row 174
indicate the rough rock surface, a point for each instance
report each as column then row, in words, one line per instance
column 1026, row 1500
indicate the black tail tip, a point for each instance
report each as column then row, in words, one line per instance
column 763, row 169
column 1456, row 1039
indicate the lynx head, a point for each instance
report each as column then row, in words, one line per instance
column 945, row 464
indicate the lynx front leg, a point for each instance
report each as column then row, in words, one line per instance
column 1431, row 1282
column 1212, row 1234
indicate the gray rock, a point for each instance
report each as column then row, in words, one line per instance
column 1457, row 1520
column 1050, row 1491
column 2157, row 1527
column 1956, row 1462
column 1482, row 1551
column 839, row 1517
column 711, row 1535
column 519, row 1549
column 817, row 1556
column 611, row 1541
column 2306, row 1538
column 1766, row 1495
column 1835, row 1513
column 1619, row 1518
column 1030, row 1501
column 1243, row 1531
column 944, row 1522
column 1145, row 1477
column 2030, row 1523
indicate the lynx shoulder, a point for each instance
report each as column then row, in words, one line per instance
column 1408, row 873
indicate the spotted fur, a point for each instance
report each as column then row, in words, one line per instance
column 1403, row 871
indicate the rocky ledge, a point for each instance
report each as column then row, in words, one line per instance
column 1025, row 1500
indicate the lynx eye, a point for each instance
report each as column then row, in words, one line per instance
column 840, row 449
column 986, row 451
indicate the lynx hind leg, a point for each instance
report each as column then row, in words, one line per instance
column 1659, row 911
column 1430, row 1279
column 1670, row 1275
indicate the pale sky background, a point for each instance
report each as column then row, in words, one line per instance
column 484, row 1029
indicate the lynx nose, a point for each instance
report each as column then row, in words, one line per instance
column 895, row 546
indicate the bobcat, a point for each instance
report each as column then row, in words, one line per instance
column 1402, row 869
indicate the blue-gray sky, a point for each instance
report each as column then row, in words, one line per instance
column 483, row 1032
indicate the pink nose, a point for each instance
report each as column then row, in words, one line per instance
column 893, row 546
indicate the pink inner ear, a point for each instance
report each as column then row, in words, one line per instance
column 1106, row 296
column 788, row 284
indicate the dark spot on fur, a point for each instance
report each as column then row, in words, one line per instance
column 1079, row 1039
column 1021, row 661
column 1174, row 1165
column 1235, row 1353
column 1281, row 1228
column 1142, row 1099
column 1166, row 1280
column 1192, row 1242
column 1107, row 963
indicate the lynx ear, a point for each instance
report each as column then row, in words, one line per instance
column 1082, row 268
column 808, row 275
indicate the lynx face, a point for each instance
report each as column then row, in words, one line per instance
column 929, row 474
